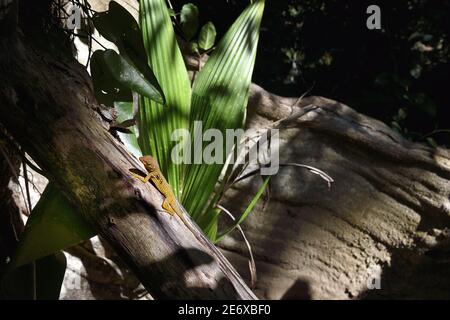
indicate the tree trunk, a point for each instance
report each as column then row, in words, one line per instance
column 10, row 222
column 47, row 105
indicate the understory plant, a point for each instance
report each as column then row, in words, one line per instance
column 216, row 98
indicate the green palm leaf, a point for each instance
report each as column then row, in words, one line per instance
column 219, row 99
column 54, row 224
column 156, row 122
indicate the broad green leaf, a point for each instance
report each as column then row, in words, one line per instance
column 54, row 224
column 126, row 74
column 193, row 47
column 247, row 210
column 156, row 123
column 207, row 36
column 118, row 26
column 219, row 99
column 189, row 20
column 125, row 112
column 107, row 90
column 49, row 273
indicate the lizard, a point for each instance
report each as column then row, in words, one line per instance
column 170, row 203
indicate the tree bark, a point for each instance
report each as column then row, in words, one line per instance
column 11, row 224
column 47, row 105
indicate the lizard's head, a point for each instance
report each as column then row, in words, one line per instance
column 149, row 163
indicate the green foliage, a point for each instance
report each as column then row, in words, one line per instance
column 156, row 123
column 247, row 211
column 189, row 24
column 219, row 96
column 125, row 113
column 106, row 88
column 189, row 20
column 219, row 99
column 126, row 74
column 54, row 224
column 116, row 76
column 207, row 36
column 37, row 267
column 118, row 26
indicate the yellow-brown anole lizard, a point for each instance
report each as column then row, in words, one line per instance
column 170, row 203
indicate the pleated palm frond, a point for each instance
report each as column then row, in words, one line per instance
column 219, row 99
column 157, row 122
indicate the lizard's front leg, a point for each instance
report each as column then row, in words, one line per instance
column 143, row 179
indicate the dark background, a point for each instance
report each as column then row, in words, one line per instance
column 400, row 74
